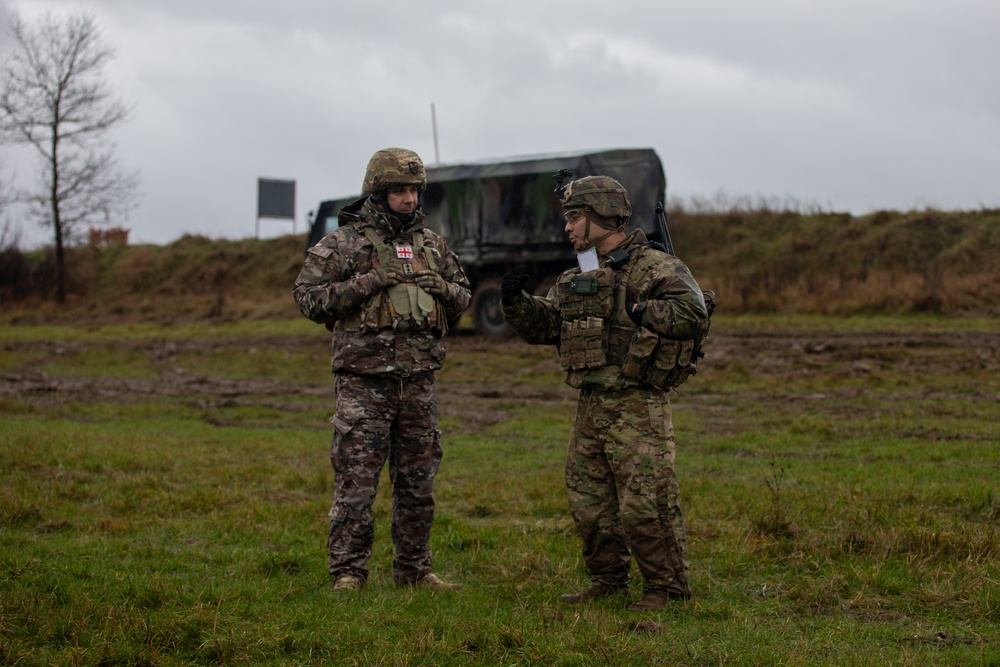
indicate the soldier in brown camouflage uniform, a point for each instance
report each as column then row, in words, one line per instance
column 386, row 287
column 625, row 333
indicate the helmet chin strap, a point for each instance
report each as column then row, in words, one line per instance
column 586, row 233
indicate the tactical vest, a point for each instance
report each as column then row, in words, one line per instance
column 599, row 345
column 586, row 302
column 404, row 306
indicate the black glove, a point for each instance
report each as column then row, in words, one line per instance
column 634, row 310
column 511, row 287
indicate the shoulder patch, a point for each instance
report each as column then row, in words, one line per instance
column 320, row 251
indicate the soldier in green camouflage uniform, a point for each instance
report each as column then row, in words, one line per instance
column 625, row 333
column 386, row 287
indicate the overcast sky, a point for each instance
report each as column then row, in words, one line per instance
column 845, row 105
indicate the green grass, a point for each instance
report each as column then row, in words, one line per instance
column 835, row 516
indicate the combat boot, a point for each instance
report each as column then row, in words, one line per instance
column 433, row 582
column 348, row 582
column 655, row 600
column 596, row 590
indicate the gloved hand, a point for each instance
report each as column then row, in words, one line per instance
column 381, row 277
column 431, row 282
column 511, row 287
column 635, row 311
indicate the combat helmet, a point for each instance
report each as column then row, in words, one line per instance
column 602, row 194
column 394, row 166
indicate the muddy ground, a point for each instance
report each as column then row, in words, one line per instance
column 500, row 368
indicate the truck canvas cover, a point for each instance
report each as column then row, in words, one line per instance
column 503, row 215
column 506, row 210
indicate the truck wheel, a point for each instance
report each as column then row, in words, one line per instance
column 486, row 313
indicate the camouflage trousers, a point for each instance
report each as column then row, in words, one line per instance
column 383, row 418
column 622, row 489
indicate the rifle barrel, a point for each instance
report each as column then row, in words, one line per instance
column 661, row 219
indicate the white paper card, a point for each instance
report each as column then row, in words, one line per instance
column 588, row 260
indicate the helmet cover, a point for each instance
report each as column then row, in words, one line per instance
column 394, row 166
column 603, row 194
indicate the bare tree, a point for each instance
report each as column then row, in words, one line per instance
column 55, row 98
column 6, row 193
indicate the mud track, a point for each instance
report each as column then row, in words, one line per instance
column 915, row 355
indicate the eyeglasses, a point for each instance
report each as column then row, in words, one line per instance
column 572, row 217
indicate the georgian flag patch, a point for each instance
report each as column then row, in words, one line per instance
column 404, row 252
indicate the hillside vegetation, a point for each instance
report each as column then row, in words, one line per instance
column 828, row 263
column 755, row 260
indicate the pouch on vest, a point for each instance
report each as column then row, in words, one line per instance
column 639, row 355
column 582, row 344
column 411, row 302
column 672, row 364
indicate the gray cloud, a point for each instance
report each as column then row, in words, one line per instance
column 847, row 105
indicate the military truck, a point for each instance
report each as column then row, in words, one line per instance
column 503, row 215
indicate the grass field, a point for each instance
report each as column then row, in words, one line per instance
column 163, row 494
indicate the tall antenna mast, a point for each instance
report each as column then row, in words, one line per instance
column 434, row 125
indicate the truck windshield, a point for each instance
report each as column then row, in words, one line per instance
column 331, row 223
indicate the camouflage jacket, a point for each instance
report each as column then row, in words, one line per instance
column 599, row 344
column 332, row 289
